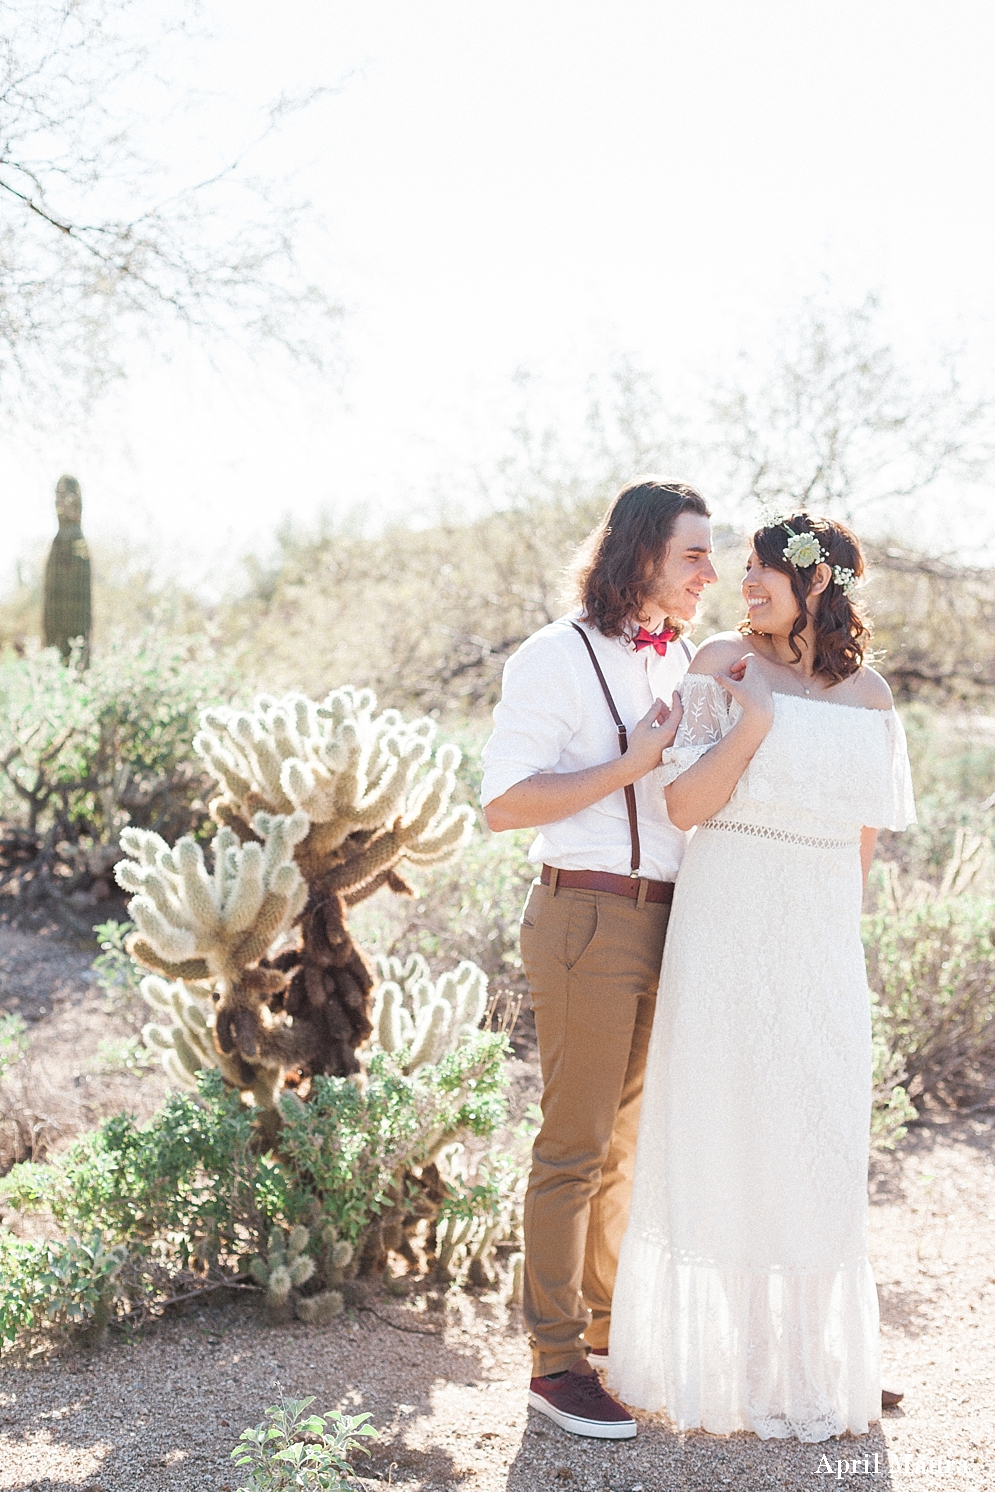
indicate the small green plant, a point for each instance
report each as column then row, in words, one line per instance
column 13, row 1042
column 71, row 1283
column 116, row 972
column 293, row 1451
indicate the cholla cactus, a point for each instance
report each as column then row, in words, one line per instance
column 335, row 1257
column 196, row 926
column 186, row 1043
column 319, row 806
column 316, row 1310
column 283, row 1269
column 335, row 1253
column 354, row 773
column 425, row 1019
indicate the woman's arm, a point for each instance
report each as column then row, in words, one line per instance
column 868, row 844
column 707, row 786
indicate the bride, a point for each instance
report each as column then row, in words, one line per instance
column 744, row 1298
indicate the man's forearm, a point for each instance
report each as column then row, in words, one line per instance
column 550, row 796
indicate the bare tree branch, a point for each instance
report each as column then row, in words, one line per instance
column 219, row 256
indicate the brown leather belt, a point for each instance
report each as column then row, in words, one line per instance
column 603, row 880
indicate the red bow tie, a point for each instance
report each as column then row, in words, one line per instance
column 655, row 640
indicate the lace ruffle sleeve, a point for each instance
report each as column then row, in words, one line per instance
column 707, row 718
column 900, row 811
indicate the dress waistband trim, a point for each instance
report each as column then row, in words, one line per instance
column 766, row 831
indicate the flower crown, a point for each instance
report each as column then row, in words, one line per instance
column 804, row 549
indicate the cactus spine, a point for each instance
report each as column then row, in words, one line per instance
column 67, row 608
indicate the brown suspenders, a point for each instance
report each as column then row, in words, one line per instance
column 623, row 746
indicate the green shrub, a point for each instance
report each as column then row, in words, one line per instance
column 84, row 754
column 69, row 1283
column 186, row 1182
column 357, row 1148
column 287, row 1452
column 189, row 1188
column 931, row 966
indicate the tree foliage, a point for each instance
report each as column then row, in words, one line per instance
column 100, row 237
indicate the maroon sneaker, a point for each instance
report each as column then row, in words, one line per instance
column 578, row 1404
column 598, row 1358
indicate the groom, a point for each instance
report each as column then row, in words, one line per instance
column 595, row 921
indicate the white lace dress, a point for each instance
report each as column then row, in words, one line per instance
column 744, row 1298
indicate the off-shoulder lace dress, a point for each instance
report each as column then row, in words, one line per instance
column 744, row 1298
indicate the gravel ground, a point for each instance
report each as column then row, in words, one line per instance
column 74, row 1074
column 447, row 1387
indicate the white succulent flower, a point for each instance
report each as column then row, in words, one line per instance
column 803, row 550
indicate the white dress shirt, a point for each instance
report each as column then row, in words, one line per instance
column 553, row 717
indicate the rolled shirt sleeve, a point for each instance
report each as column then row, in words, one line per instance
column 540, row 711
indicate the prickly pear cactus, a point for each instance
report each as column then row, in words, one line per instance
column 319, row 805
column 423, row 1020
column 67, row 609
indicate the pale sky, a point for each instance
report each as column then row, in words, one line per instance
column 549, row 184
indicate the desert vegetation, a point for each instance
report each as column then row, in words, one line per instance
column 312, row 933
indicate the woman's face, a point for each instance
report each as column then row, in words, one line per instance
column 770, row 601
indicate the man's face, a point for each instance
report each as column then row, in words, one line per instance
column 682, row 574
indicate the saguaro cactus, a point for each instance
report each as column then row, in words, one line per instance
column 67, row 611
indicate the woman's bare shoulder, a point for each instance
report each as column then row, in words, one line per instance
column 869, row 690
column 718, row 653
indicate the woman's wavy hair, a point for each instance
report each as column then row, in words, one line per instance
column 616, row 565
column 841, row 634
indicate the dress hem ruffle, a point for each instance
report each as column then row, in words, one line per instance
column 777, row 1352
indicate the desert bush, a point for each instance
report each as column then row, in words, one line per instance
column 187, row 1181
column 931, row 966
column 292, row 1451
column 66, row 1283
column 190, row 1190
column 29, row 1120
column 84, row 754
column 371, row 1158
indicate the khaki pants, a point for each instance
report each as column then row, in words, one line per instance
column 593, row 965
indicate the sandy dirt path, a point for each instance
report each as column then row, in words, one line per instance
column 449, row 1389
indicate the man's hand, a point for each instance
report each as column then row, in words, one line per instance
column 652, row 735
column 550, row 796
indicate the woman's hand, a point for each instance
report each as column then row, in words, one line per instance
column 747, row 683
